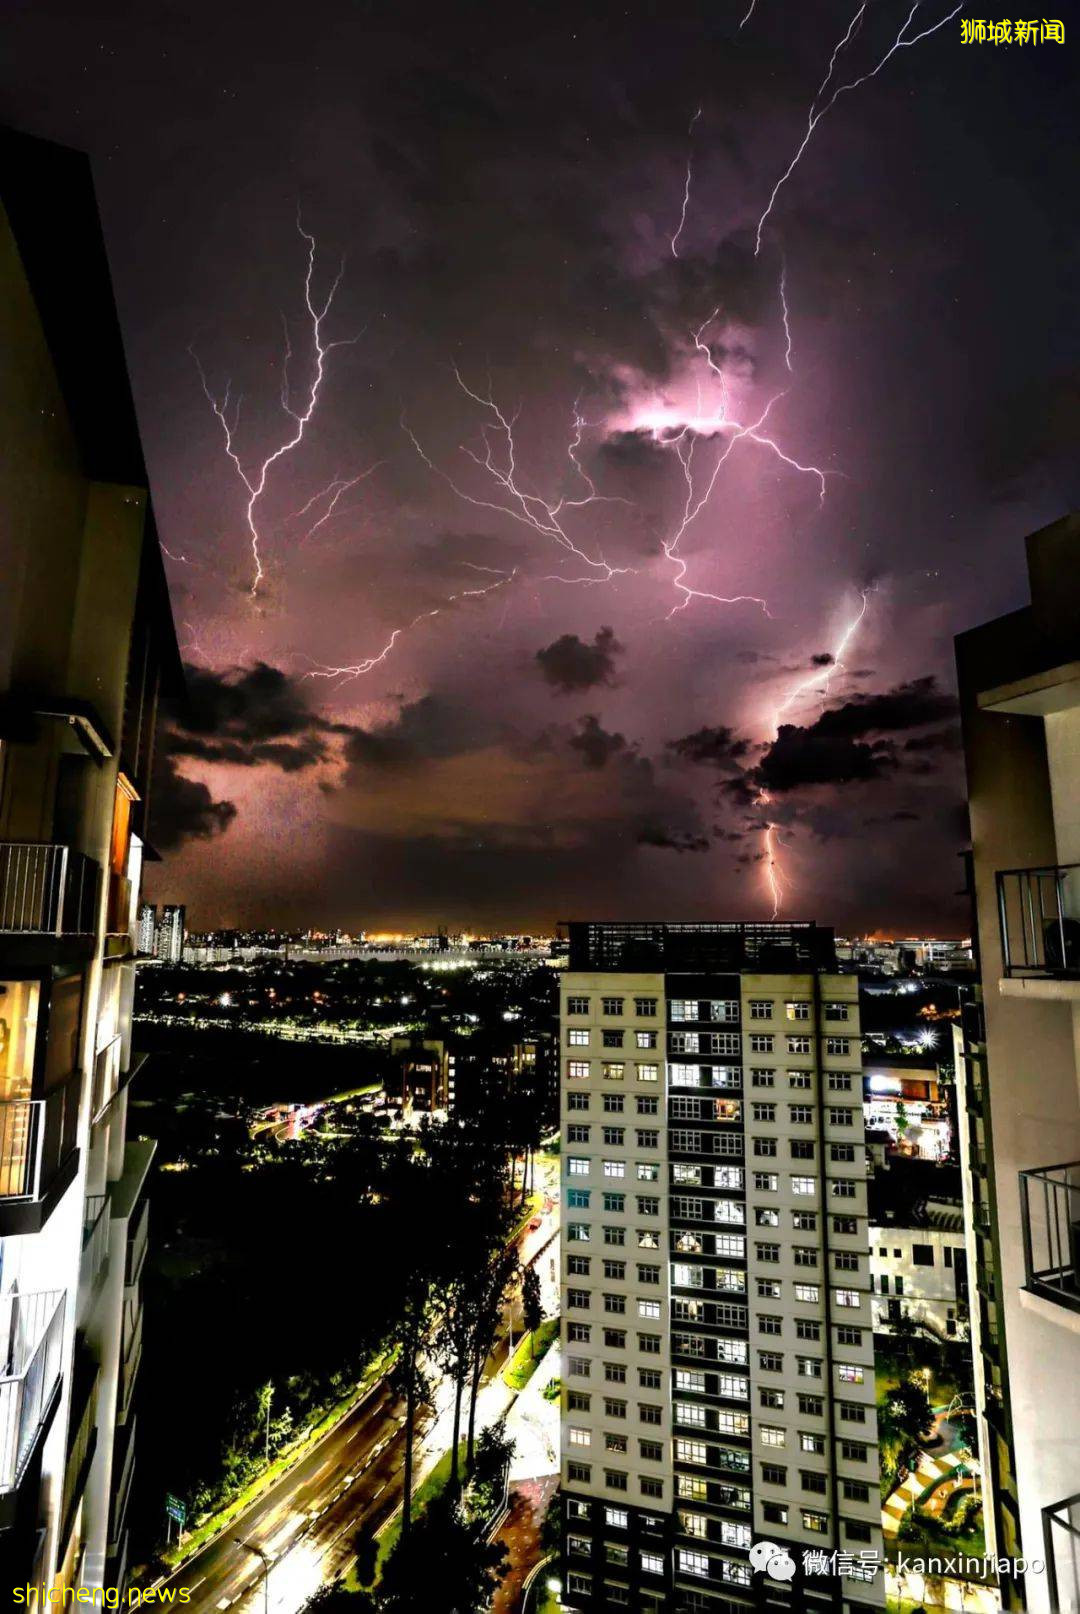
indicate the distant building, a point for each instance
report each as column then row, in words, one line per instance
column 921, row 1273
column 146, row 934
column 717, row 1351
column 908, row 1102
column 420, row 1075
column 169, row 941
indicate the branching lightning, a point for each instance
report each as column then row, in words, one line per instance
column 686, row 187
column 346, row 674
column 228, row 412
column 333, row 492
column 499, row 462
column 819, row 108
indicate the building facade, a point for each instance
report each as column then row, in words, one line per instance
column 1020, row 707
column 85, row 638
column 169, row 940
column 920, row 1273
column 718, row 1363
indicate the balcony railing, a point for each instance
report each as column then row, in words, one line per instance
column 1061, row 1540
column 47, row 890
column 31, row 1337
column 1050, row 1217
column 138, row 1236
column 1039, row 912
column 36, row 1137
column 106, row 1076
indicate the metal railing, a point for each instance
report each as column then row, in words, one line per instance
column 1061, row 1540
column 129, row 1367
column 106, row 1076
column 36, row 1137
column 95, row 1250
column 47, row 890
column 1039, row 913
column 1050, row 1219
column 31, row 1337
column 136, row 1246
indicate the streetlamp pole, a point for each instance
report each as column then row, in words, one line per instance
column 249, row 1546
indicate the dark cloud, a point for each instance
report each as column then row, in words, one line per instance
column 672, row 840
column 423, row 730
column 717, row 747
column 248, row 717
column 799, row 758
column 183, row 809
column 824, row 658
column 570, row 665
column 595, row 744
column 910, row 705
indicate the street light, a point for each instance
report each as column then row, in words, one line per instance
column 249, row 1546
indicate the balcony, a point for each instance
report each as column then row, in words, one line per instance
column 1061, row 1540
column 1039, row 913
column 31, row 1339
column 1050, row 1217
column 37, row 1155
column 95, row 1249
column 47, row 890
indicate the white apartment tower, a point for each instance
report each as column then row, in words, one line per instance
column 1019, row 680
column 85, row 640
column 718, row 1360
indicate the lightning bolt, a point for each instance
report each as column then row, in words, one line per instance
column 499, row 462
column 749, row 14
column 346, row 674
column 686, row 187
column 786, row 318
column 774, row 875
column 332, row 492
column 228, row 414
column 818, row 108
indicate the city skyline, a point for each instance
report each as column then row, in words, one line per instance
column 531, row 745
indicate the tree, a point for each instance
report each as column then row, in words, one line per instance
column 412, row 1210
column 445, row 1565
column 905, row 1418
column 532, row 1308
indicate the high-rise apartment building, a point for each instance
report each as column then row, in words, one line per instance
column 146, row 934
column 169, row 941
column 1020, row 1054
column 718, row 1359
column 85, row 640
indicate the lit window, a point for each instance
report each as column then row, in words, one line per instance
column 578, row 1037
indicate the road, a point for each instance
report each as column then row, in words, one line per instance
column 307, row 1523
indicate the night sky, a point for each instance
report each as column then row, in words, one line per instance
column 531, row 719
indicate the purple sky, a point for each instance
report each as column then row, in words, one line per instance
column 553, row 726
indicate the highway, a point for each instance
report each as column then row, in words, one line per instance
column 306, row 1524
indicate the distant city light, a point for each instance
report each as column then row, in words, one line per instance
column 225, row 1000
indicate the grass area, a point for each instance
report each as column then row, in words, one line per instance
column 211, row 1526
column 529, row 1354
column 532, row 1205
column 552, row 1390
column 433, row 1485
